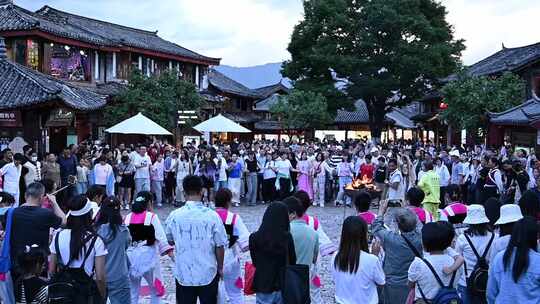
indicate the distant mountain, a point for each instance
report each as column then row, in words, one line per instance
column 255, row 76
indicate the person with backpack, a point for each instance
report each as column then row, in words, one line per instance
column 116, row 236
column 426, row 274
column 149, row 242
column 238, row 242
column 31, row 288
column 356, row 272
column 77, row 261
column 514, row 275
column 271, row 247
column 474, row 245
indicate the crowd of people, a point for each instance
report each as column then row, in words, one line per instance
column 434, row 224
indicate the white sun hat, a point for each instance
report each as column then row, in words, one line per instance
column 454, row 153
column 510, row 213
column 476, row 214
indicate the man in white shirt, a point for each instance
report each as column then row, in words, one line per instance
column 444, row 177
column 11, row 175
column 283, row 167
column 142, row 163
column 395, row 182
column 199, row 238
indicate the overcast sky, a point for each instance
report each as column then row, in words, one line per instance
column 253, row 32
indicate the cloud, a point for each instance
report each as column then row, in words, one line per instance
column 250, row 32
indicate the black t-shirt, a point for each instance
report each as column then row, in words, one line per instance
column 31, row 225
column 251, row 165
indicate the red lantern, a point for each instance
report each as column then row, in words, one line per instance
column 443, row 105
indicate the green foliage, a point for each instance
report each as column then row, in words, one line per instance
column 157, row 97
column 301, row 110
column 470, row 98
column 389, row 52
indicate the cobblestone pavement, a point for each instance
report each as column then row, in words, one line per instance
column 330, row 218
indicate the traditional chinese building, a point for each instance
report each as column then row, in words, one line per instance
column 519, row 125
column 87, row 54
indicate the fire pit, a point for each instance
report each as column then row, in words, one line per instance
column 362, row 184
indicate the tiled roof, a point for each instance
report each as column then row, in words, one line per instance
column 267, row 103
column 227, row 85
column 520, row 115
column 268, row 125
column 507, row 59
column 242, row 117
column 100, row 33
column 21, row 87
column 109, row 88
column 272, row 89
column 398, row 117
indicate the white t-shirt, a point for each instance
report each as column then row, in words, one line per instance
column 144, row 161
column 283, row 166
column 267, row 170
column 462, row 247
column 420, row 273
column 64, row 240
column 101, row 173
column 359, row 287
column 394, row 194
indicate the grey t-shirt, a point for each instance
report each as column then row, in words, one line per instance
column 117, row 260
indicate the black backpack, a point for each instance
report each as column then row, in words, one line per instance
column 477, row 280
column 70, row 285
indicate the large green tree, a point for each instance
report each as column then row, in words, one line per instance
column 470, row 98
column 301, row 110
column 386, row 52
column 157, row 97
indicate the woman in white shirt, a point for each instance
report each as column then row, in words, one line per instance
column 269, row 180
column 356, row 272
column 79, row 246
column 183, row 169
column 444, row 177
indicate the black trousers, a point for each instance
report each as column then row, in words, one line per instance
column 189, row 294
column 269, row 190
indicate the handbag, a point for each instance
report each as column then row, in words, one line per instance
column 5, row 257
column 249, row 275
column 295, row 289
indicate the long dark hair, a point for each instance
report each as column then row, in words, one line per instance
column 273, row 233
column 81, row 227
column 143, row 200
column 353, row 240
column 524, row 238
column 477, row 229
column 110, row 214
column 529, row 204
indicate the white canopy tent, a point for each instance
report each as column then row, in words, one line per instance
column 138, row 124
column 220, row 124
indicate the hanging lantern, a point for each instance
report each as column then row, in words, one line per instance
column 443, row 105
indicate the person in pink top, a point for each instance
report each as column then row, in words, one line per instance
column 362, row 202
column 415, row 196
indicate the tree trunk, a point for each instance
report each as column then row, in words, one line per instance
column 377, row 112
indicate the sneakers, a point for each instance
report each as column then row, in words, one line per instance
column 237, row 204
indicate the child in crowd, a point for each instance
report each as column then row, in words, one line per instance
column 50, row 187
column 426, row 280
column 95, row 194
column 415, row 196
column 362, row 202
column 31, row 288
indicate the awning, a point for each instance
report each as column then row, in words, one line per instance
column 138, row 124
column 220, row 123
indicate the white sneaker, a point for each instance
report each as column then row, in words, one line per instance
column 237, row 204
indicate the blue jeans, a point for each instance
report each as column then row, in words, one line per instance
column 220, row 184
column 82, row 187
column 119, row 291
column 269, row 298
column 251, row 196
column 142, row 184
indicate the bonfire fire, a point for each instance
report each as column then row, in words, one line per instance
column 360, row 183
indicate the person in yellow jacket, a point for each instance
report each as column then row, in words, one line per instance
column 430, row 184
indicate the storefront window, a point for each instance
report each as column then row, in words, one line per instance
column 69, row 63
column 33, row 54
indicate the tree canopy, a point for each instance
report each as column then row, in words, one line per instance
column 301, row 110
column 386, row 52
column 470, row 98
column 157, row 97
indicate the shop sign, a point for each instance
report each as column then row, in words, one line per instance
column 10, row 119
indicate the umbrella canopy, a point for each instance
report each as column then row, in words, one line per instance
column 138, row 124
column 220, row 123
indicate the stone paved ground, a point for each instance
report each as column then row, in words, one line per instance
column 330, row 217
